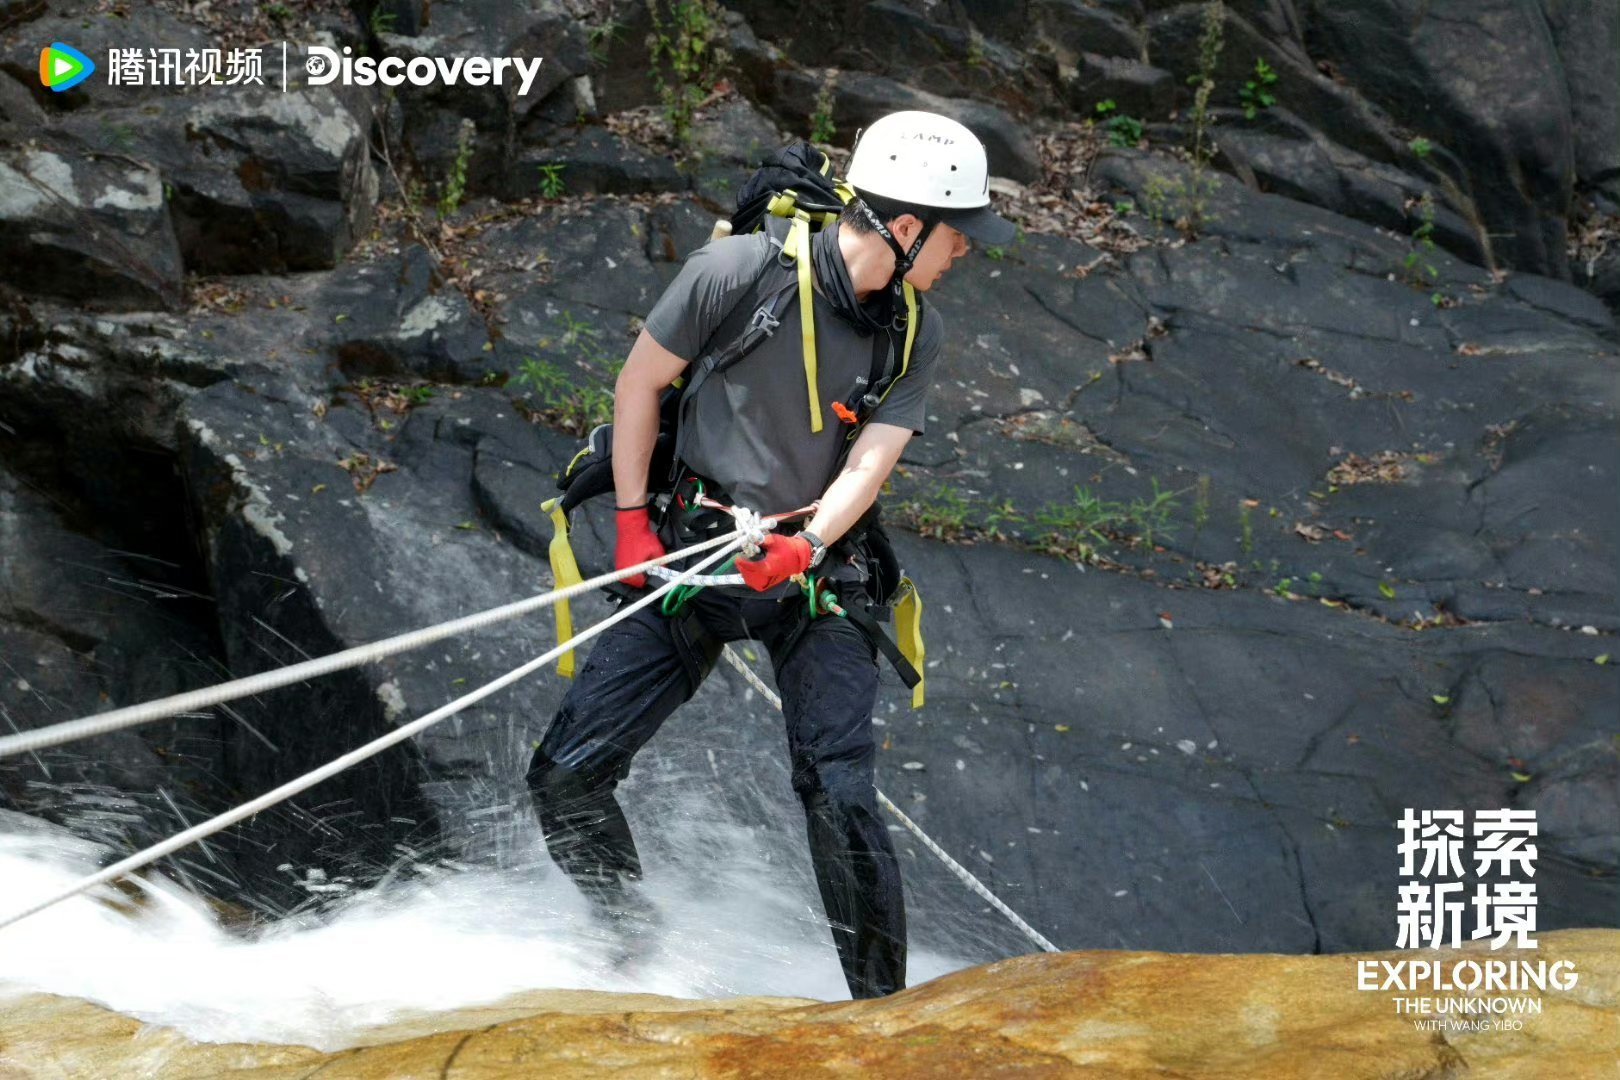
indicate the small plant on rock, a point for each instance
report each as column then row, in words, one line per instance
column 601, row 38
column 943, row 514
column 822, row 128
column 1077, row 529
column 1256, row 94
column 1123, row 131
column 687, row 57
column 1184, row 201
column 1150, row 517
column 1419, row 270
column 552, row 185
column 455, row 185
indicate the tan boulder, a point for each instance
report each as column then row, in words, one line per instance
column 1094, row 1014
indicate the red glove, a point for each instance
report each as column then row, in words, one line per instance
column 637, row 543
column 783, row 557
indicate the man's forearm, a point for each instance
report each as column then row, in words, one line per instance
column 845, row 500
column 856, row 487
column 635, row 431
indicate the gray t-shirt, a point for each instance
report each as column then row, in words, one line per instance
column 750, row 425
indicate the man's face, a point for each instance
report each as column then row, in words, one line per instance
column 944, row 246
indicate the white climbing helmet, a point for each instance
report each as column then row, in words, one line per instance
column 924, row 159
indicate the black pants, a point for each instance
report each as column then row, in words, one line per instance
column 635, row 677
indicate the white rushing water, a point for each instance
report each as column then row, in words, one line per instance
column 435, row 939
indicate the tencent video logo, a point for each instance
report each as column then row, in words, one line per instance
column 62, row 67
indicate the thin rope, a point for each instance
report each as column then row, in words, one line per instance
column 209, row 696
column 705, row 580
column 353, row 757
column 962, row 873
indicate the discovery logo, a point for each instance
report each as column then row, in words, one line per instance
column 325, row 65
column 62, row 67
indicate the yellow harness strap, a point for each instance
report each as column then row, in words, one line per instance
column 564, row 572
column 797, row 248
column 911, row 328
column 908, row 628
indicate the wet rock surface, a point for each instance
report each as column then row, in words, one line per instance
column 1123, row 1014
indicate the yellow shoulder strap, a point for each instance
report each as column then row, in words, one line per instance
column 564, row 572
column 911, row 327
column 911, row 337
column 908, row 627
column 797, row 248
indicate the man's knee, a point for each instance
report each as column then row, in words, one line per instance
column 834, row 788
column 555, row 785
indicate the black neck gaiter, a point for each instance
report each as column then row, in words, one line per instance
column 833, row 277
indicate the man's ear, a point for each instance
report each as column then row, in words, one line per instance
column 905, row 228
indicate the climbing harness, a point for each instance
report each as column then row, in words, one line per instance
column 888, row 588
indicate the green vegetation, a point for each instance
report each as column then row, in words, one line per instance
column 1123, row 130
column 1419, row 270
column 1078, row 529
column 1200, row 509
column 574, row 403
column 1184, row 202
column 1150, row 517
column 559, row 402
column 1420, row 146
column 382, row 22
column 1256, row 92
column 601, row 38
column 551, row 181
column 686, row 57
column 975, row 51
column 455, row 185
column 822, row 128
column 943, row 514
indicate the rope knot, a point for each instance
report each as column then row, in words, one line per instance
column 753, row 527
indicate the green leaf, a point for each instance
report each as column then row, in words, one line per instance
column 1440, row 699
column 1604, row 659
column 1387, row 590
column 1521, row 777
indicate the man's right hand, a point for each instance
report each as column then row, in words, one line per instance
column 637, row 542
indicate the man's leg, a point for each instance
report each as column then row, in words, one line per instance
column 829, row 681
column 633, row 679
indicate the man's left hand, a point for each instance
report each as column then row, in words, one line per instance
column 782, row 557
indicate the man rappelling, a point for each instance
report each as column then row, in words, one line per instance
column 783, row 368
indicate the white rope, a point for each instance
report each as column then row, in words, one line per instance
column 353, row 757
column 962, row 873
column 209, row 696
column 753, row 526
column 704, row 580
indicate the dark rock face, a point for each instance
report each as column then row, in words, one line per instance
column 1381, row 578
column 89, row 230
column 1487, row 78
